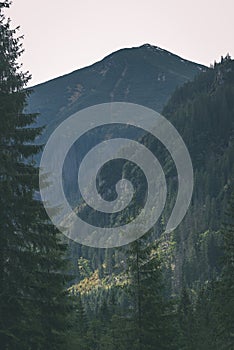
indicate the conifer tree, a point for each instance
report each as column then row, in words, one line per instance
column 152, row 313
column 186, row 321
column 226, row 284
column 33, row 305
column 79, row 326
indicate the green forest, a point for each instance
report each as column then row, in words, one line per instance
column 165, row 291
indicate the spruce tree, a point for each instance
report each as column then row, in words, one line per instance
column 33, row 304
column 152, row 313
column 186, row 321
column 79, row 326
column 225, row 288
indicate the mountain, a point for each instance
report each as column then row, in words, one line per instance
column 197, row 257
column 196, row 266
column 203, row 112
column 201, row 108
column 145, row 75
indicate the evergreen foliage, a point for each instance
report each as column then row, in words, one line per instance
column 33, row 304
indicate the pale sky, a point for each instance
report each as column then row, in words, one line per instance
column 62, row 36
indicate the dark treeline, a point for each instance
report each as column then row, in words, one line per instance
column 170, row 293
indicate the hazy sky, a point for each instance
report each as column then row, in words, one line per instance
column 61, row 36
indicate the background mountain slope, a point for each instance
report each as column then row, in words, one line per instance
column 202, row 110
column 145, row 75
column 203, row 113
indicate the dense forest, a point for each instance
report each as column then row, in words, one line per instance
column 166, row 291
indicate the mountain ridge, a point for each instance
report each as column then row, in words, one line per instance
column 146, row 45
column 145, row 75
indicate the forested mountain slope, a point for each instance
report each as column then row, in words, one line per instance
column 202, row 111
column 118, row 287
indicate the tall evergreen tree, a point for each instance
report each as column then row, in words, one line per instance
column 79, row 326
column 185, row 318
column 225, row 286
column 33, row 305
column 152, row 312
column 207, row 324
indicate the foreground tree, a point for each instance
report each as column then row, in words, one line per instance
column 33, row 305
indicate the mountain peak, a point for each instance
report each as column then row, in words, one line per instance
column 145, row 75
column 151, row 47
